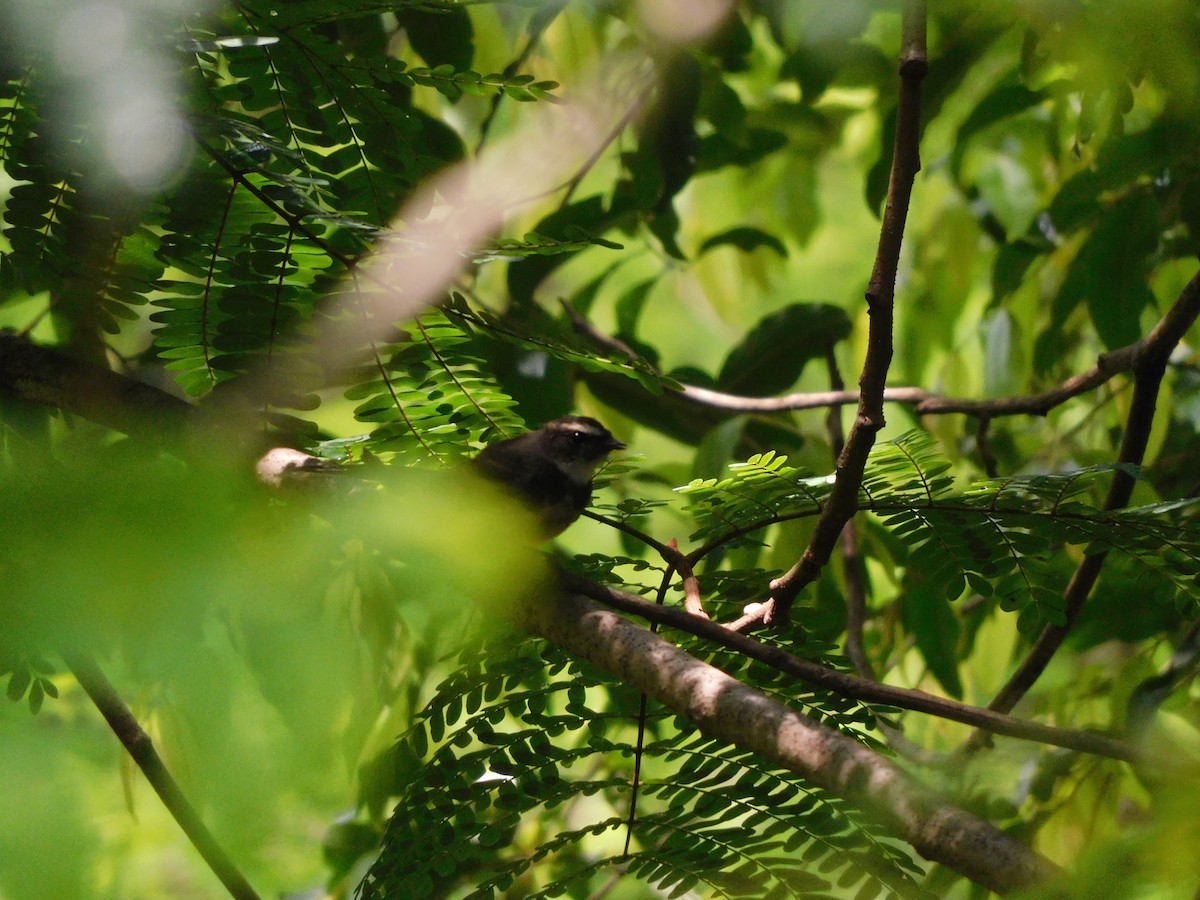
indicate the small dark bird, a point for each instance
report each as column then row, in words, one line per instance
column 551, row 469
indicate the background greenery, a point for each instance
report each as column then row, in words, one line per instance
column 194, row 197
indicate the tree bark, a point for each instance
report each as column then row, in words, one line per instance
column 725, row 708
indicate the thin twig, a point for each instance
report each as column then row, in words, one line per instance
column 983, row 444
column 639, row 750
column 671, row 555
column 906, row 162
column 615, row 132
column 139, row 746
column 635, row 783
column 926, row 403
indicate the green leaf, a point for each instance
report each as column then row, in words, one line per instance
column 744, row 238
column 1109, row 273
column 18, row 683
column 443, row 38
column 929, row 618
column 773, row 354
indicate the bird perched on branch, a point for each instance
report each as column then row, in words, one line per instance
column 551, row 469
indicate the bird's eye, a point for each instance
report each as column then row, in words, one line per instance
column 578, row 437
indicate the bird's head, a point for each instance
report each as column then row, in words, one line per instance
column 577, row 445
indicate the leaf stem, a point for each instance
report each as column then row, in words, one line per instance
column 139, row 746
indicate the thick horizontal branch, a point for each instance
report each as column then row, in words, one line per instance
column 39, row 374
column 851, row 686
column 723, row 707
column 51, row 377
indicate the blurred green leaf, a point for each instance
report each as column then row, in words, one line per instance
column 744, row 238
column 443, row 38
column 1109, row 272
column 929, row 617
column 773, row 354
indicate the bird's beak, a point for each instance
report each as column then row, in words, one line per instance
column 614, row 444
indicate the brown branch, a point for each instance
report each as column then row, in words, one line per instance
column 1107, row 365
column 724, row 708
column 671, row 555
column 906, row 162
column 692, row 599
column 856, row 592
column 39, row 374
column 606, row 342
column 987, row 456
column 856, row 602
column 737, row 403
column 32, row 373
column 1149, row 367
column 926, row 403
column 141, row 749
column 851, row 686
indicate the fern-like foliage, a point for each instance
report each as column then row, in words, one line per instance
column 1003, row 538
column 518, row 731
column 432, row 394
column 534, row 244
column 305, row 146
column 554, row 341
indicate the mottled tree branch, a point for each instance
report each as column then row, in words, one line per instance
column 725, row 708
column 37, row 374
column 847, row 685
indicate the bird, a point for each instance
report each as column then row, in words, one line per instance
column 550, row 469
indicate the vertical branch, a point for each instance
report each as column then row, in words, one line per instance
column 1149, row 367
column 880, row 296
column 854, row 574
column 639, row 750
column 852, row 570
column 135, row 740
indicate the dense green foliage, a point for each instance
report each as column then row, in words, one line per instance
column 241, row 204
